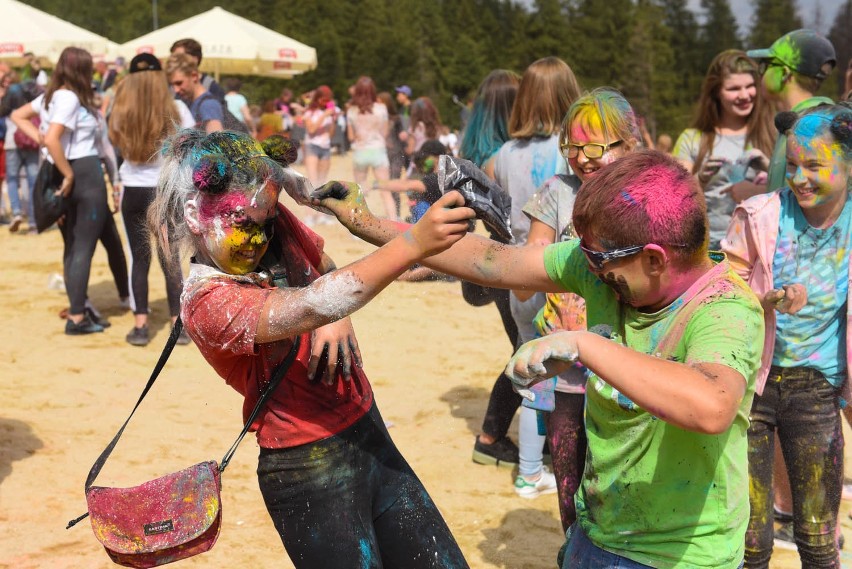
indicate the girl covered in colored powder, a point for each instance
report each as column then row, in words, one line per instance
column 339, row 492
column 730, row 138
column 548, row 88
column 793, row 246
column 600, row 128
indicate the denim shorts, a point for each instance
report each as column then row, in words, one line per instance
column 318, row 151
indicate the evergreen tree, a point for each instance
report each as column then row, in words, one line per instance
column 650, row 79
column 598, row 40
column 719, row 31
column 841, row 36
column 772, row 19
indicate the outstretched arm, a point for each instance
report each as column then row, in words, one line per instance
column 472, row 258
column 291, row 311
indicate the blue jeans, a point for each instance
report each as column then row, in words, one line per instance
column 15, row 159
column 581, row 553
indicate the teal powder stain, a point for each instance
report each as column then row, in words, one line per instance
column 366, row 553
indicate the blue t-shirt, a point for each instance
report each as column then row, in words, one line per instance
column 814, row 337
column 206, row 108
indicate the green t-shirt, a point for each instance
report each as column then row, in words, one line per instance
column 653, row 492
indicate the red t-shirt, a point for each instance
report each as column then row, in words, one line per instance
column 221, row 313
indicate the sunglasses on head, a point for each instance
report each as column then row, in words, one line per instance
column 597, row 259
column 591, row 150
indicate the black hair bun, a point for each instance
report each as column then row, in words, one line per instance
column 841, row 128
column 281, row 150
column 785, row 120
column 212, row 174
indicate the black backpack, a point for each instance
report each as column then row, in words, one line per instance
column 229, row 121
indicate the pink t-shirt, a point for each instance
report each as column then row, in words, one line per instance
column 368, row 129
column 221, row 313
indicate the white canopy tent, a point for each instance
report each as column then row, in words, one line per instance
column 24, row 29
column 231, row 45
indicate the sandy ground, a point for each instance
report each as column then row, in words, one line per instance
column 431, row 359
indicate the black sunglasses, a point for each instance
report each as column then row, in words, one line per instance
column 597, row 259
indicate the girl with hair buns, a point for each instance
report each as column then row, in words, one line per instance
column 338, row 491
column 793, row 246
column 74, row 137
column 143, row 115
column 730, row 138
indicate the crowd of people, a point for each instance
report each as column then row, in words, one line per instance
column 679, row 320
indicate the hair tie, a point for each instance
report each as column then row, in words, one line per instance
column 211, row 174
column 281, row 150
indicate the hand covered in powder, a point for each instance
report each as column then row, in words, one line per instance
column 787, row 300
column 333, row 345
column 345, row 200
column 443, row 224
column 541, row 359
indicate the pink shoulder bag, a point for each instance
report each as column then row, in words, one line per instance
column 172, row 517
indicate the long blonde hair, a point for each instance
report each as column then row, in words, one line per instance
column 547, row 89
column 143, row 115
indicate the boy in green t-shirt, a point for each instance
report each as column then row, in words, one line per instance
column 666, row 480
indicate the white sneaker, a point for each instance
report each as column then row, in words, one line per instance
column 546, row 484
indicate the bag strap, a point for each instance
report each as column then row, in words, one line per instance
column 277, row 376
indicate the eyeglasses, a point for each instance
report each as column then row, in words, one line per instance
column 591, row 150
column 764, row 64
column 597, row 259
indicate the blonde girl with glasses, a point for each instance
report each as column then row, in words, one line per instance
column 600, row 128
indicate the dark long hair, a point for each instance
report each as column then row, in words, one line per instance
column 74, row 72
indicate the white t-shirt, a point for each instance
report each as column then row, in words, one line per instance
column 368, row 128
column 81, row 127
column 322, row 135
column 146, row 174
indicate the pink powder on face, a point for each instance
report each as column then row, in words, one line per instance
column 213, row 206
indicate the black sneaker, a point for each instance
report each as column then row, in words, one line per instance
column 502, row 452
column 96, row 317
column 85, row 326
column 138, row 336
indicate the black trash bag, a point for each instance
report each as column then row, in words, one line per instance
column 47, row 205
column 492, row 204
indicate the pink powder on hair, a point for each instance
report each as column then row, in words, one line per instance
column 660, row 191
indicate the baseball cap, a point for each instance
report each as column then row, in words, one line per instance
column 405, row 89
column 145, row 62
column 804, row 51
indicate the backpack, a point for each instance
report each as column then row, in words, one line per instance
column 229, row 121
column 24, row 142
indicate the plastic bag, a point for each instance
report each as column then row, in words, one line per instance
column 491, row 203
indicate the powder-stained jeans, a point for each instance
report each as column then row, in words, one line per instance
column 566, row 435
column 351, row 500
column 805, row 410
